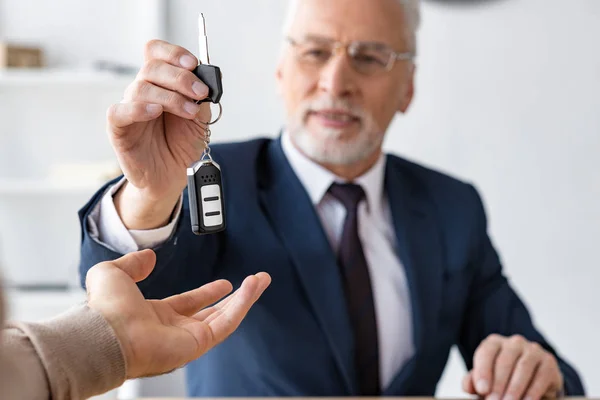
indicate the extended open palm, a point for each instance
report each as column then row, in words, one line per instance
column 158, row 336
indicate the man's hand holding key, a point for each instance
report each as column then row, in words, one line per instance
column 157, row 131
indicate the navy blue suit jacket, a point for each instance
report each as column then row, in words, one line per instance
column 297, row 340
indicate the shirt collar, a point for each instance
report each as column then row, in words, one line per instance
column 317, row 180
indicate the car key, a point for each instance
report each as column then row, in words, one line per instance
column 205, row 192
column 205, row 186
column 209, row 74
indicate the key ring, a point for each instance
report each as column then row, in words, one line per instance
column 216, row 120
column 218, row 117
column 206, row 152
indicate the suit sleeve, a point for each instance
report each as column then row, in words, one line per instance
column 494, row 307
column 184, row 262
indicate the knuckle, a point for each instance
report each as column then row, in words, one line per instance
column 138, row 89
column 535, row 347
column 493, row 338
column 174, row 53
column 150, row 46
column 517, row 340
column 174, row 99
column 181, row 77
column 480, row 352
column 111, row 112
column 528, row 362
column 506, row 361
column 550, row 360
column 149, row 68
column 534, row 351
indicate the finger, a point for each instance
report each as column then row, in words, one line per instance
column 483, row 363
column 191, row 302
column 137, row 266
column 173, row 78
column 172, row 102
column 205, row 315
column 525, row 371
column 467, row 383
column 264, row 281
column 124, row 114
column 174, row 55
column 547, row 380
column 208, row 314
column 230, row 316
column 507, row 359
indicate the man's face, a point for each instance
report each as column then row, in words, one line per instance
column 338, row 106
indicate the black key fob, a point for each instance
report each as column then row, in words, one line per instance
column 211, row 76
column 205, row 192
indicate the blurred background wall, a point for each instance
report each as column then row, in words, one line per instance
column 507, row 98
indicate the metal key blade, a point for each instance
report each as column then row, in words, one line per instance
column 203, row 41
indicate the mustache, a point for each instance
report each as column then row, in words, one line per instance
column 327, row 103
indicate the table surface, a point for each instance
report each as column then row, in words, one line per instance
column 336, row 398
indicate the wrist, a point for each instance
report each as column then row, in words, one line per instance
column 119, row 327
column 140, row 211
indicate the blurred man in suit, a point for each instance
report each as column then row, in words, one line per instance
column 379, row 265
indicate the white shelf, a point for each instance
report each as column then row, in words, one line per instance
column 36, row 77
column 18, row 187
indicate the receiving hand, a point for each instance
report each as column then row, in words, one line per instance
column 158, row 336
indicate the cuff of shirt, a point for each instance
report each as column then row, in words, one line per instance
column 106, row 227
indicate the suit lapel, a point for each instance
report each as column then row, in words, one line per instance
column 420, row 250
column 294, row 218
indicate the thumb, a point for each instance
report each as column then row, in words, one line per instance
column 467, row 383
column 138, row 265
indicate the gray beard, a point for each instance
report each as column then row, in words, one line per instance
column 333, row 149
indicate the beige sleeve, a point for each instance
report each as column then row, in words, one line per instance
column 75, row 355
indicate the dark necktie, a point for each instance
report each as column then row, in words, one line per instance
column 357, row 288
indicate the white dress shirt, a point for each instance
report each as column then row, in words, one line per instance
column 376, row 231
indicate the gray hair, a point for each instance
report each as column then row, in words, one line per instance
column 411, row 10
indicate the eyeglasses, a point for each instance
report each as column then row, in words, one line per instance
column 367, row 58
